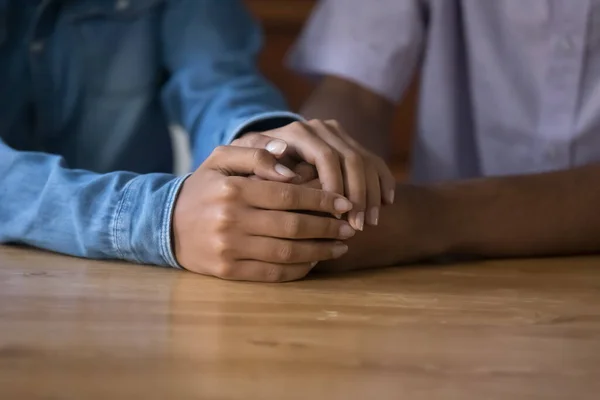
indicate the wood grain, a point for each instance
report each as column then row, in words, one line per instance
column 76, row 329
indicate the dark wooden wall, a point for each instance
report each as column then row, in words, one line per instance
column 282, row 20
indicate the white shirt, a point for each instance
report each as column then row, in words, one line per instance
column 507, row 86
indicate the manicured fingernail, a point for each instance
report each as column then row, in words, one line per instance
column 359, row 221
column 346, row 231
column 342, row 205
column 285, row 171
column 374, row 216
column 339, row 250
column 276, row 147
column 312, row 264
column 391, row 196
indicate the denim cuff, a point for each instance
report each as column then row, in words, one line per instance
column 143, row 219
column 167, row 250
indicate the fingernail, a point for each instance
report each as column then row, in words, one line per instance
column 346, row 231
column 339, row 250
column 359, row 221
column 312, row 264
column 338, row 216
column 374, row 216
column 285, row 171
column 276, row 147
column 342, row 205
column 391, row 196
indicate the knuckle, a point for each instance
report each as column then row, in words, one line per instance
column 359, row 198
column 219, row 151
column 229, row 189
column 225, row 270
column 223, row 248
column 285, row 252
column 354, row 158
column 293, row 226
column 332, row 227
column 316, row 123
column 287, row 196
column 333, row 123
column 351, row 141
column 275, row 273
column 248, row 140
column 297, row 126
column 328, row 152
column 325, row 201
column 224, row 217
column 262, row 157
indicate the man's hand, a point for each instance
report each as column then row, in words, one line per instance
column 415, row 228
column 237, row 228
column 343, row 165
column 545, row 214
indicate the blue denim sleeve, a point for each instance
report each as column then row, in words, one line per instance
column 119, row 215
column 215, row 90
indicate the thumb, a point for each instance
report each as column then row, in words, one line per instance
column 232, row 160
column 276, row 147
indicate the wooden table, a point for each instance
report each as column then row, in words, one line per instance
column 75, row 329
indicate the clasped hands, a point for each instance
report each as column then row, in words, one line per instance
column 272, row 205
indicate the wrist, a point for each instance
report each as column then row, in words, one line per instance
column 457, row 214
column 441, row 219
column 422, row 217
column 415, row 228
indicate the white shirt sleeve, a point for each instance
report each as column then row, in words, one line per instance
column 374, row 43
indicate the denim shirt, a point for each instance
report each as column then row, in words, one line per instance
column 88, row 89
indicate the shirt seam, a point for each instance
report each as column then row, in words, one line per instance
column 166, row 239
column 118, row 223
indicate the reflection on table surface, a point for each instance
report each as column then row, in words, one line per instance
column 520, row 329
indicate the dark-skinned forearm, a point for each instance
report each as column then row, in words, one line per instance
column 366, row 116
column 532, row 215
column 555, row 213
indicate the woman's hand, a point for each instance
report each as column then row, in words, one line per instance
column 234, row 227
column 343, row 165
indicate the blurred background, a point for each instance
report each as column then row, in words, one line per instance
column 282, row 21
